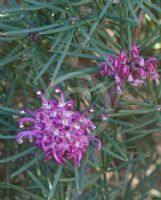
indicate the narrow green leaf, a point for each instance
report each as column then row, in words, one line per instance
column 70, row 36
column 109, row 152
column 10, row 39
column 81, row 55
column 65, row 27
column 82, row 174
column 135, row 127
column 91, row 181
column 138, row 102
column 18, row 155
column 60, row 29
column 38, row 183
column 57, row 40
column 30, row 30
column 7, row 27
column 12, row 58
column 7, row 137
column 50, row 6
column 133, row 112
column 7, row 124
column 28, row 165
column 109, row 38
column 75, row 74
column 125, row 20
column 45, row 67
column 151, row 90
column 139, row 136
column 10, row 110
column 101, row 15
column 117, row 148
column 22, row 9
column 96, row 44
column 82, row 2
column 77, row 178
column 20, row 189
column 131, row 9
column 56, row 180
column 119, row 122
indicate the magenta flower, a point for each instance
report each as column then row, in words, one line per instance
column 134, row 69
column 62, row 133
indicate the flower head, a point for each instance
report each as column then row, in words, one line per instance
column 134, row 69
column 62, row 133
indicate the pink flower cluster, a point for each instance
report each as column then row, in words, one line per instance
column 134, row 69
column 62, row 133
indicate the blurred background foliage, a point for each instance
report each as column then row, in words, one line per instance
column 45, row 43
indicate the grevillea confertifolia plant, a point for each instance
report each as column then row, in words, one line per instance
column 62, row 133
column 134, row 69
column 104, row 56
column 65, row 134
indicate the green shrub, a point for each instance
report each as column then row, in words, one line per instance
column 61, row 43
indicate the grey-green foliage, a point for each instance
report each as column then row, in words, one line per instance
column 45, row 43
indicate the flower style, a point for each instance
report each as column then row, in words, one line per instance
column 134, row 69
column 62, row 133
